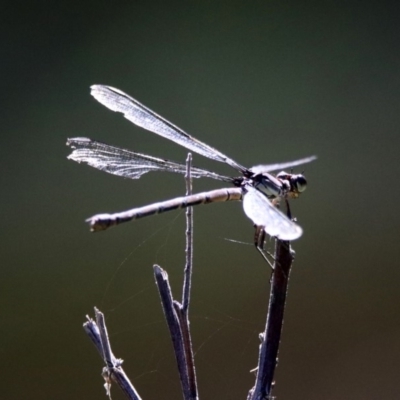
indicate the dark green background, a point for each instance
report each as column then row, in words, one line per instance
column 263, row 81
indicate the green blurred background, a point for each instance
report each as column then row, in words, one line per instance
column 263, row 81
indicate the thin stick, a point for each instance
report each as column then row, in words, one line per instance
column 189, row 240
column 270, row 338
column 97, row 332
column 176, row 314
column 173, row 322
column 183, row 310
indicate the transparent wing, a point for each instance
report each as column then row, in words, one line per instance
column 128, row 164
column 260, row 210
column 142, row 116
column 259, row 169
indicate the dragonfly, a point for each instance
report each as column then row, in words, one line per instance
column 259, row 190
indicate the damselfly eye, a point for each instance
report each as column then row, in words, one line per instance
column 300, row 183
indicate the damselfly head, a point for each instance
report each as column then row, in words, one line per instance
column 297, row 182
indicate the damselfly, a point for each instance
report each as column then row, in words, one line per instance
column 259, row 190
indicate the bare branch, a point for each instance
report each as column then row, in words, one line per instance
column 270, row 338
column 173, row 322
column 97, row 333
column 189, row 240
